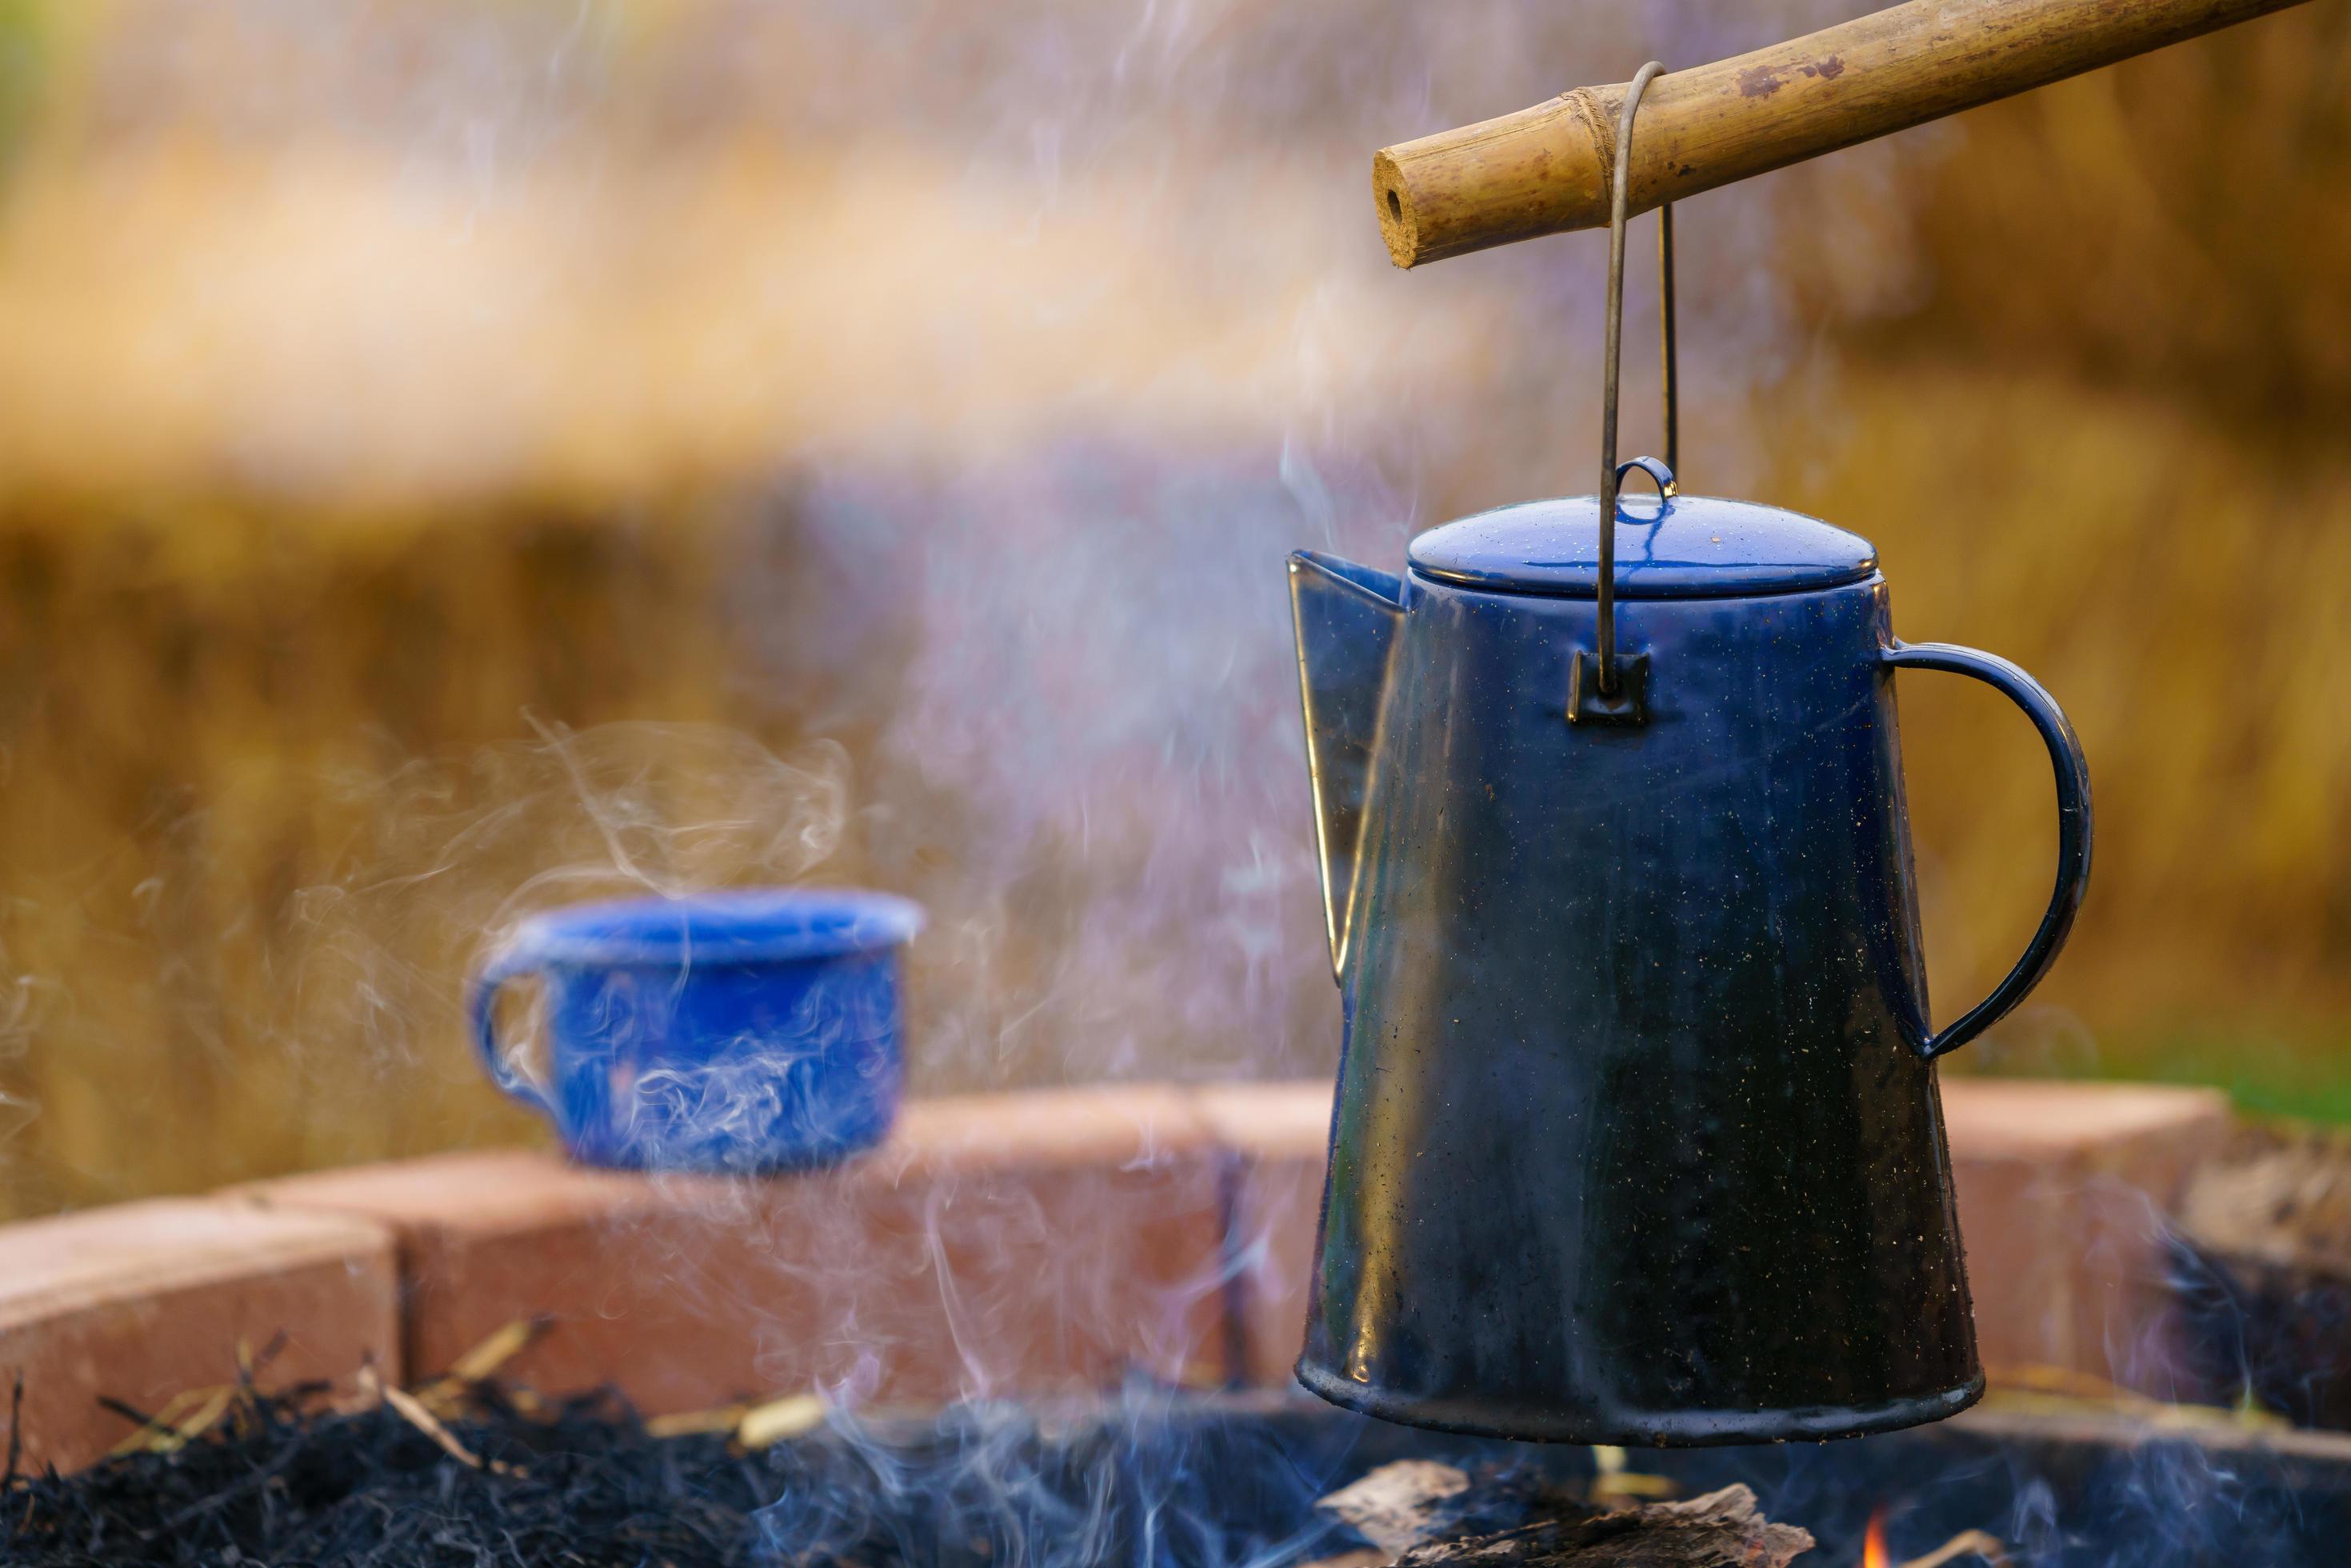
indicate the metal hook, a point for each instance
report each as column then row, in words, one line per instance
column 1605, row 673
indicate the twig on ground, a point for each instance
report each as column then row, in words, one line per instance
column 411, row 1410
column 446, row 1391
column 1986, row 1546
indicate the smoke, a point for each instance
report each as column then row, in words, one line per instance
column 1128, row 1479
column 455, row 852
column 1085, row 756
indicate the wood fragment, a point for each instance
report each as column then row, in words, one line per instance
column 1976, row 1542
column 1418, row 1513
column 793, row 1416
column 412, row 1410
column 496, row 1350
column 196, row 1421
column 1720, row 1530
column 445, row 1394
column 187, row 1414
column 1395, row 1507
column 696, row 1423
column 1410, row 1502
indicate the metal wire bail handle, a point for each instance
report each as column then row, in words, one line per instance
column 1611, row 471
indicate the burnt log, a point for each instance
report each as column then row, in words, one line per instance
column 1721, row 1529
column 1418, row 1513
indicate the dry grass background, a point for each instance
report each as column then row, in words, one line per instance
column 461, row 454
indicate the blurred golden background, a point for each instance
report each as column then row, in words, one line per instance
column 460, row 455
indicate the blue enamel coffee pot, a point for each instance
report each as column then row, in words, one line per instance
column 1637, row 1138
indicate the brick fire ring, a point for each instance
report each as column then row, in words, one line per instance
column 1033, row 1244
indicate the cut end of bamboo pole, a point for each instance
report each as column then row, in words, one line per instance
column 1397, row 226
column 1537, row 171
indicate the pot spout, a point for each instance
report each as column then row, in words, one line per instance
column 1346, row 617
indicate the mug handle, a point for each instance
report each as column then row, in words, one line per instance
column 2073, row 772
column 482, row 1004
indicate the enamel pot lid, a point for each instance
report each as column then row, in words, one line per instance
column 1676, row 547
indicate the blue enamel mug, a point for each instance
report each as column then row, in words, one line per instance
column 752, row 1031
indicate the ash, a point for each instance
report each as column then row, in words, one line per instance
column 1154, row 1477
column 291, row 1479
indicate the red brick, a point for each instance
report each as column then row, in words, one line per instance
column 145, row 1300
column 1018, row 1243
column 1278, row 1138
column 2063, row 1193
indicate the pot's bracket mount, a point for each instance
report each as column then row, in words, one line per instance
column 1628, row 705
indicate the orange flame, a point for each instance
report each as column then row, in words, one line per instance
column 1873, row 1544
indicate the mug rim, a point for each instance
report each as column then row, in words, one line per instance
column 726, row 926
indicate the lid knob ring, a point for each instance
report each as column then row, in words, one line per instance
column 1663, row 473
column 1611, row 471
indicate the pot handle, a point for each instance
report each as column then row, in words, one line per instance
column 481, row 1004
column 2073, row 776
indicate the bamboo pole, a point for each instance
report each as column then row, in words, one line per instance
column 1545, row 170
